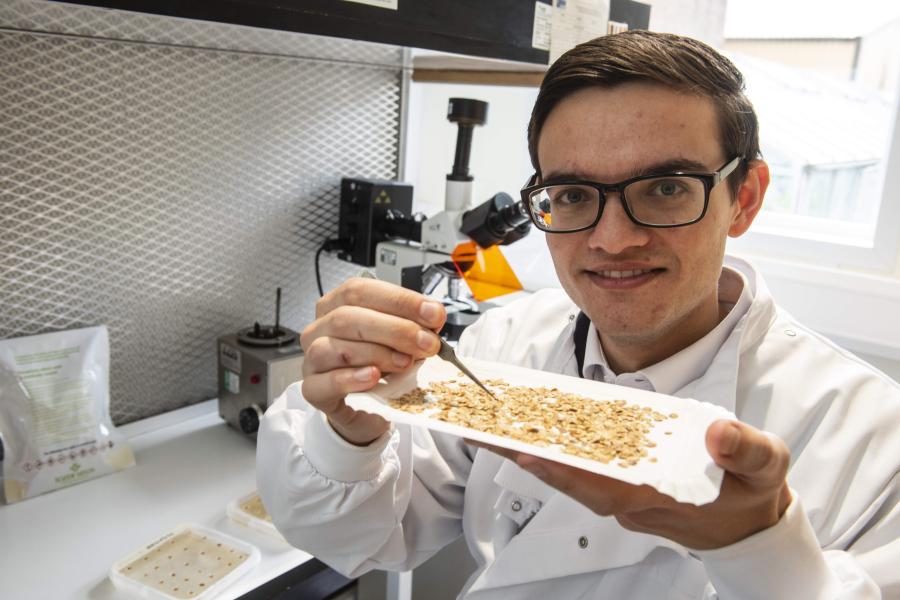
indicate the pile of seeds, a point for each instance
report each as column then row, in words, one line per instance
column 601, row 430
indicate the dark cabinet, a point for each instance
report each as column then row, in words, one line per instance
column 488, row 28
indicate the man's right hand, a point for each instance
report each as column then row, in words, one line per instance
column 363, row 329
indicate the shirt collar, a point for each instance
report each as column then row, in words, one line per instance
column 673, row 373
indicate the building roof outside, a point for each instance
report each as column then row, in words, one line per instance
column 813, row 118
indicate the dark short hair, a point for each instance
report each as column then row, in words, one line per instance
column 681, row 63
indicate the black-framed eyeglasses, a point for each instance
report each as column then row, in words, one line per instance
column 660, row 200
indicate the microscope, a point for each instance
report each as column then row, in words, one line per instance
column 377, row 228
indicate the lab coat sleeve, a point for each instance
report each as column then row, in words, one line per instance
column 785, row 561
column 389, row 505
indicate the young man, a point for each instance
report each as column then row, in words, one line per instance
column 808, row 507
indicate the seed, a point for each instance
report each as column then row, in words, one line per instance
column 601, row 430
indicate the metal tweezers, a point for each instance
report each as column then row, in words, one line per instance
column 446, row 352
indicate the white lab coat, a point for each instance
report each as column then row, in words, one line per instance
column 396, row 502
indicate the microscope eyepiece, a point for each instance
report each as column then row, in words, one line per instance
column 467, row 111
column 500, row 220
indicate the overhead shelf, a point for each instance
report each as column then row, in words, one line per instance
column 447, row 68
column 502, row 29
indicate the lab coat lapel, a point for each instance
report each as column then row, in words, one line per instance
column 719, row 384
column 563, row 538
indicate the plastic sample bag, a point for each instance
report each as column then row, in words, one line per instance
column 54, row 412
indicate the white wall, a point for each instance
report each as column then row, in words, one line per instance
column 499, row 159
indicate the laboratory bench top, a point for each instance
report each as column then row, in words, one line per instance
column 190, row 465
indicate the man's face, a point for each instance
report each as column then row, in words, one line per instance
column 639, row 285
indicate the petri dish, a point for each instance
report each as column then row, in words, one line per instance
column 188, row 563
column 249, row 511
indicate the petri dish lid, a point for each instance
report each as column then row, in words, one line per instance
column 188, row 563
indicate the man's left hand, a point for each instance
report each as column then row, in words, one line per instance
column 753, row 497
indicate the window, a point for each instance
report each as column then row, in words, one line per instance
column 826, row 92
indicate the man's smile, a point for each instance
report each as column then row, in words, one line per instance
column 623, row 277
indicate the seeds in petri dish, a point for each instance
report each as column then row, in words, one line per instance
column 180, row 559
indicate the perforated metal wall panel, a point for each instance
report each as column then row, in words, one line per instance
column 165, row 187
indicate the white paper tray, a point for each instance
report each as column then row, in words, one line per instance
column 684, row 470
column 235, row 510
column 164, row 570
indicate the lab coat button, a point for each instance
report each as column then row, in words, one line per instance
column 582, row 542
column 790, row 332
column 516, row 505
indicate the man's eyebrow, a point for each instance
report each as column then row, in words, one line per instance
column 668, row 166
column 561, row 176
column 671, row 166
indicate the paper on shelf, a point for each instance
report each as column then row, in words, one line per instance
column 684, row 470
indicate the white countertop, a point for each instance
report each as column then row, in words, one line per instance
column 190, row 465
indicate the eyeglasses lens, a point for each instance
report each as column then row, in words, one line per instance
column 666, row 200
